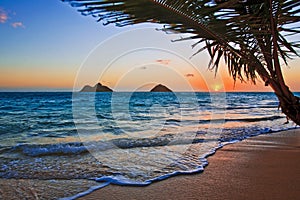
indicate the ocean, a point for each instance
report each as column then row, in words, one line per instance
column 85, row 141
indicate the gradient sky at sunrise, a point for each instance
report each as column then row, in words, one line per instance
column 48, row 44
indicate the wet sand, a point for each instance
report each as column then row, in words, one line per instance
column 262, row 167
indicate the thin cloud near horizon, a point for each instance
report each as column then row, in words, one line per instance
column 190, row 75
column 143, row 67
column 163, row 61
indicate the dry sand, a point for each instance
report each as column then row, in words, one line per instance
column 263, row 167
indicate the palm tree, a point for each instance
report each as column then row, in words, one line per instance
column 253, row 36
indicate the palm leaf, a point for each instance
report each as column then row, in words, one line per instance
column 239, row 31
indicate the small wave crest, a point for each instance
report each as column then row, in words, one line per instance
column 51, row 149
column 76, row 148
column 255, row 119
column 251, row 107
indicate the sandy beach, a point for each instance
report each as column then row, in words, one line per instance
column 262, row 167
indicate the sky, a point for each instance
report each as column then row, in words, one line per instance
column 47, row 44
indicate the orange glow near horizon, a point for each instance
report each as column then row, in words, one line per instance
column 198, row 84
column 47, row 78
column 36, row 78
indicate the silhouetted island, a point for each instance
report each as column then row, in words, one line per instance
column 160, row 88
column 97, row 88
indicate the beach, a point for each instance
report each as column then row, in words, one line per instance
column 262, row 167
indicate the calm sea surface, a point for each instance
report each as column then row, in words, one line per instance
column 125, row 138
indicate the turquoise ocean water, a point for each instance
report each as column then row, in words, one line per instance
column 124, row 138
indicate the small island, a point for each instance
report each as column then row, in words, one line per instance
column 160, row 88
column 97, row 88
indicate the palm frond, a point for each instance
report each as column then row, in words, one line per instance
column 239, row 31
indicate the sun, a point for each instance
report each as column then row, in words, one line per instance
column 217, row 87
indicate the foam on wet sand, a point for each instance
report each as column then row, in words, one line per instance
column 262, row 167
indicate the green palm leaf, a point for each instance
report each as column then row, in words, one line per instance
column 233, row 27
column 251, row 35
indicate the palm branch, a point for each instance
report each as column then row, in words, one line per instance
column 253, row 36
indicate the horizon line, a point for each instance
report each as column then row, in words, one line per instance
column 124, row 91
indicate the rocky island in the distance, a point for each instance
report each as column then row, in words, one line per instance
column 97, row 88
column 102, row 88
column 160, row 88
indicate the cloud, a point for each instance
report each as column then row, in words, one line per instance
column 3, row 16
column 143, row 67
column 164, row 62
column 189, row 75
column 17, row 25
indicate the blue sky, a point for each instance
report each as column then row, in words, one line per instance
column 43, row 44
column 52, row 32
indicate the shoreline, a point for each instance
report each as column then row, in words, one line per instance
column 261, row 167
